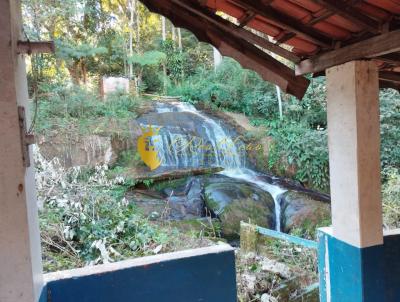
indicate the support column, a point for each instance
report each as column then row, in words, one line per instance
column 351, row 252
column 20, row 256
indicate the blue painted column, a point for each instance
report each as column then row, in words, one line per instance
column 351, row 252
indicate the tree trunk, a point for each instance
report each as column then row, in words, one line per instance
column 217, row 58
column 173, row 35
column 138, row 38
column 132, row 10
column 180, row 39
column 74, row 72
column 164, row 37
column 138, row 80
column 164, row 29
column 84, row 72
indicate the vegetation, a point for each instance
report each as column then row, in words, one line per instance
column 64, row 107
column 300, row 138
column 85, row 217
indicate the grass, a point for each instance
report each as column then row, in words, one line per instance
column 83, row 109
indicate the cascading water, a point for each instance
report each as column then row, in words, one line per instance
column 180, row 149
column 253, row 177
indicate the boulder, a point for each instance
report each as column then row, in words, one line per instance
column 184, row 204
column 300, row 210
column 234, row 201
column 87, row 150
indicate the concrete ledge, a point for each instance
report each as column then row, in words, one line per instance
column 352, row 274
column 205, row 274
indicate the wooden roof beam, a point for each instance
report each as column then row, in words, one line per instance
column 248, row 55
column 388, row 76
column 324, row 16
column 286, row 22
column 389, row 84
column 371, row 48
column 239, row 32
column 392, row 58
column 350, row 13
column 246, row 18
column 283, row 38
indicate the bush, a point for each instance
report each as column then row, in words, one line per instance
column 230, row 88
column 390, row 130
column 87, row 219
column 304, row 149
column 62, row 107
column 391, row 199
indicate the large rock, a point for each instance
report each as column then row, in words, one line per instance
column 234, row 201
column 190, row 139
column 89, row 150
column 300, row 210
column 180, row 200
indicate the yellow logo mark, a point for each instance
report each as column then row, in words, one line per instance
column 146, row 148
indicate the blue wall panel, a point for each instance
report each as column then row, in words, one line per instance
column 43, row 295
column 204, row 278
column 392, row 268
column 369, row 274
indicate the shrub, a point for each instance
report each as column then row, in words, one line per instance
column 391, row 198
column 62, row 107
column 87, row 219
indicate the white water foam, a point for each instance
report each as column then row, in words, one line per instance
column 251, row 176
column 234, row 162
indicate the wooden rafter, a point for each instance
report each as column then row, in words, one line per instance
column 349, row 12
column 186, row 15
column 286, row 22
column 390, row 76
column 389, row 84
column 284, row 37
column 371, row 48
column 239, row 32
column 246, row 18
column 324, row 16
column 392, row 58
column 29, row 47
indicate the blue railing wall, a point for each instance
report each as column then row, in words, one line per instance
column 208, row 275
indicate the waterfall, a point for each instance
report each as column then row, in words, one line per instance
column 182, row 150
column 251, row 176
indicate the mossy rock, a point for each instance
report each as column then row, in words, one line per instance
column 303, row 213
column 234, row 201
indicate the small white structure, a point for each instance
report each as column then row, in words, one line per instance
column 113, row 84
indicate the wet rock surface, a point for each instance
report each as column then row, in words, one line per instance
column 234, row 201
column 304, row 211
column 182, row 200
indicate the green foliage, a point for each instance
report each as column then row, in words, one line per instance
column 391, row 198
column 63, row 107
column 300, row 143
column 148, row 58
column 175, row 60
column 96, row 224
column 232, row 88
column 129, row 158
column 390, row 130
column 70, row 51
column 302, row 148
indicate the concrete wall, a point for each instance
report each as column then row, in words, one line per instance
column 206, row 274
column 349, row 273
column 20, row 256
column 114, row 84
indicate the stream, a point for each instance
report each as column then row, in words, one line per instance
column 215, row 147
column 189, row 139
